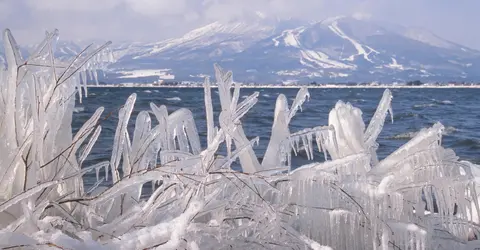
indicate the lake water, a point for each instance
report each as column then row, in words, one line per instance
column 413, row 109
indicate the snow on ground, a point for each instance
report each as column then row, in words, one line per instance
column 289, row 38
column 209, row 34
column 360, row 48
column 322, row 60
column 459, row 63
column 161, row 73
column 395, row 65
column 289, row 72
column 426, row 73
column 310, row 58
column 338, row 74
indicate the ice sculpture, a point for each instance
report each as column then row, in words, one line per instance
column 419, row 197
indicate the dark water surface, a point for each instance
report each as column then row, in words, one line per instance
column 413, row 109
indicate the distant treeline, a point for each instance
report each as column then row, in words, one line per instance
column 314, row 83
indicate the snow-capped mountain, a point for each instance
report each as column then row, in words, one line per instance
column 338, row 49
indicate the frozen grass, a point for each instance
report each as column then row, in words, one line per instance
column 419, row 197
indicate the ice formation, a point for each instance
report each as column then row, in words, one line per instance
column 419, row 197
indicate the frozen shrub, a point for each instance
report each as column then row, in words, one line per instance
column 419, row 197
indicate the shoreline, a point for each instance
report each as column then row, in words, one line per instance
column 299, row 86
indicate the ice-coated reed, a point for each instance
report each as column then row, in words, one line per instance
column 419, row 197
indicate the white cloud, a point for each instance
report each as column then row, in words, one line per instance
column 143, row 7
column 78, row 5
column 362, row 15
column 158, row 19
column 5, row 9
column 157, row 7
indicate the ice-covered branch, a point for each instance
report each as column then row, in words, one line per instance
column 419, row 197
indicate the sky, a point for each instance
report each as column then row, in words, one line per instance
column 153, row 20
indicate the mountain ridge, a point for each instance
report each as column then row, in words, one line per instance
column 343, row 47
column 337, row 49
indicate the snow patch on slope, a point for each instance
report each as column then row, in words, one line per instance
column 322, row 60
column 459, row 63
column 306, row 49
column 209, row 34
column 161, row 73
column 362, row 50
column 395, row 65
column 289, row 38
column 308, row 57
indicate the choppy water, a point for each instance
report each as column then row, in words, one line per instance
column 413, row 109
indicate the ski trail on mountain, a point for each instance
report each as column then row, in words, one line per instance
column 308, row 57
column 361, row 50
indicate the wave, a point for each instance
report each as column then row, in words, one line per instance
column 421, row 106
column 443, row 102
column 403, row 136
column 449, row 130
column 176, row 98
column 78, row 109
column 434, row 104
column 358, row 100
column 147, row 91
column 411, row 134
column 401, row 116
column 446, row 102
column 467, row 142
column 266, row 95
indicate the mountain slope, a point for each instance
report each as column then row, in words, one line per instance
column 337, row 49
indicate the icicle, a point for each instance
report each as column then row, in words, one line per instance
column 119, row 140
column 245, row 106
column 376, row 124
column 238, row 151
column 208, row 110
column 90, row 144
column 235, row 97
column 301, row 97
column 95, row 77
column 181, row 123
column 97, row 173
column 83, row 73
column 78, row 62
